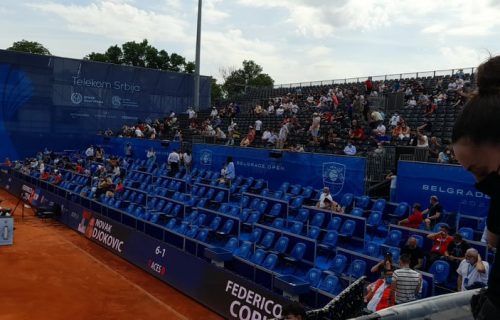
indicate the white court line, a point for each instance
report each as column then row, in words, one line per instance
column 166, row 306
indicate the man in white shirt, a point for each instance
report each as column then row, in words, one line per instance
column 138, row 133
column 214, row 112
column 350, row 149
column 324, row 195
column 191, row 113
column 89, row 153
column 173, row 161
column 266, row 135
column 394, row 119
column 270, row 109
column 258, row 127
column 280, row 111
column 472, row 271
column 380, row 130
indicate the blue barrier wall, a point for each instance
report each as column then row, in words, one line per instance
column 341, row 174
column 228, row 294
column 60, row 103
column 116, row 146
column 454, row 186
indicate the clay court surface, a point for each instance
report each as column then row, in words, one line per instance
column 51, row 272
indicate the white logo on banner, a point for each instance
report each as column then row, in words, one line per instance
column 116, row 101
column 76, row 98
column 206, row 157
column 334, row 176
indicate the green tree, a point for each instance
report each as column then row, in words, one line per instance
column 237, row 81
column 217, row 91
column 30, row 47
column 142, row 54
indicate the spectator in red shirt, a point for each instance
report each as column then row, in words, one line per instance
column 440, row 245
column 119, row 187
column 369, row 85
column 414, row 219
column 57, row 177
column 7, row 162
column 45, row 176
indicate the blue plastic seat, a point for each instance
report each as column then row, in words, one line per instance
column 318, row 219
column 192, row 231
column 346, row 200
column 226, row 227
column 339, row 264
column 258, row 256
column 284, row 187
column 171, row 224
column 297, row 227
column 244, row 250
column 358, row 212
column 244, row 201
column 220, row 197
column 419, row 238
column 224, row 208
column 231, row 245
column 214, row 225
column 302, row 215
column 296, row 203
column 466, row 233
column 401, row 210
column 313, row 277
column 379, row 205
column 357, row 268
column 200, row 220
column 253, row 218
column 329, row 240
column 278, row 223
column 235, row 211
column 270, row 261
column 329, row 284
column 441, row 270
column 261, row 208
column 281, row 244
column 295, row 189
column 297, row 252
column 275, row 210
column 372, row 249
column 363, row 202
column 395, row 252
column 313, row 233
column 254, row 204
column 393, row 238
column 255, row 235
column 374, row 219
column 334, row 224
column 202, row 235
column 267, row 240
column 347, row 229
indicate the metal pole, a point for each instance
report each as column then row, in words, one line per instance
column 197, row 61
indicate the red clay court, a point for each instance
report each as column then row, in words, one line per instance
column 52, row 272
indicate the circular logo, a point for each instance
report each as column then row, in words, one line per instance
column 76, row 98
column 116, row 101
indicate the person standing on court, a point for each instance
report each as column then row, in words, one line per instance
column 476, row 143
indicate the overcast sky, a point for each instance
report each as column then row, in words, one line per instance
column 294, row 40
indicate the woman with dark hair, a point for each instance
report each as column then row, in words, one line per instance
column 476, row 143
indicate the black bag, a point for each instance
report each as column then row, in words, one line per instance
column 477, row 301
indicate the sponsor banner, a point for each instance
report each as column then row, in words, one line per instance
column 452, row 184
column 341, row 174
column 61, row 103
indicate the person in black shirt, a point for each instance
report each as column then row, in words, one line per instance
column 416, row 254
column 456, row 251
column 433, row 213
column 476, row 143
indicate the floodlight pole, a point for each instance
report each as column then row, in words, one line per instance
column 197, row 61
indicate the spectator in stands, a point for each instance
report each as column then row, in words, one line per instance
column 376, row 119
column 173, row 161
column 395, row 119
column 57, row 177
column 434, row 148
column 151, row 155
column 105, row 185
column 219, row 134
column 116, row 172
column 229, row 172
column 258, row 128
column 455, row 252
column 7, row 163
column 119, row 188
column 45, row 175
column 293, row 311
column 187, row 161
column 422, row 140
column 249, row 138
column 315, row 127
column 472, row 271
column 415, row 253
column 325, row 195
column 265, row 136
column 282, row 136
column 191, row 113
column 441, row 241
column 138, row 132
column 214, row 113
column 232, row 133
column 414, row 219
column 378, row 296
column 129, row 152
column 280, row 111
column 384, row 266
column 357, row 132
column 393, row 178
column 258, row 110
column 350, row 149
column 444, row 156
column 433, row 212
column 406, row 283
column 89, row 153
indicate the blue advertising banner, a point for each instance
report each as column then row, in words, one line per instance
column 228, row 294
column 341, row 173
column 116, row 146
column 59, row 103
column 452, row 184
